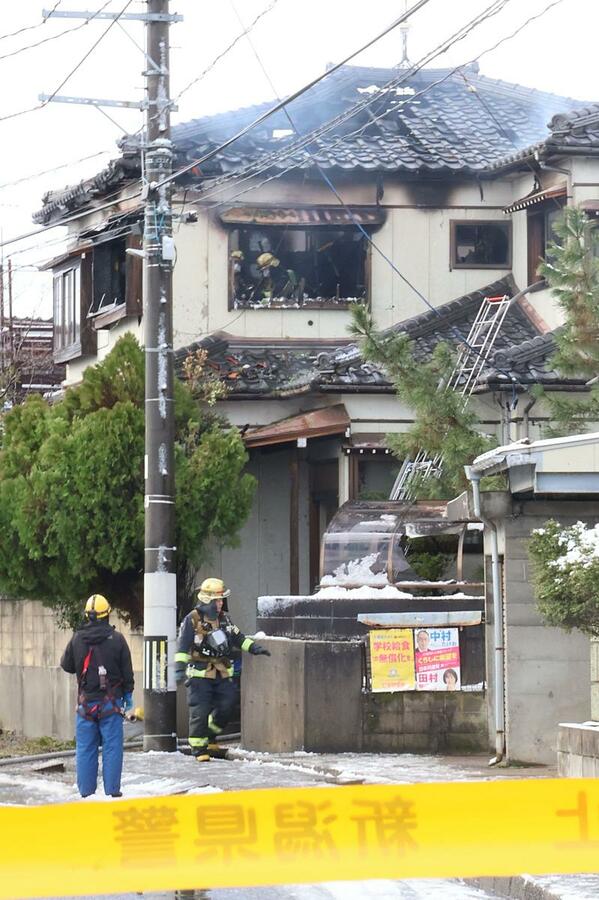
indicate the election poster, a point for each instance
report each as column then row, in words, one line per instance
column 392, row 659
column 437, row 658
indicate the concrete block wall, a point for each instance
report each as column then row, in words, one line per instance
column 578, row 751
column 548, row 671
column 425, row 721
column 37, row 698
column 308, row 696
column 595, row 679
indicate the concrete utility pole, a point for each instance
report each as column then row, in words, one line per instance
column 160, row 580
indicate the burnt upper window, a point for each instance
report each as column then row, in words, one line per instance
column 481, row 245
column 291, row 267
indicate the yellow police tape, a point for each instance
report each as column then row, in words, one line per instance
column 301, row 835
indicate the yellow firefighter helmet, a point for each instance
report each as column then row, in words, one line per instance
column 97, row 607
column 265, row 260
column 212, row 589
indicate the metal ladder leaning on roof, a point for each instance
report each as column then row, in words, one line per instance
column 472, row 357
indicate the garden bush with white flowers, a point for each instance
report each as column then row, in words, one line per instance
column 566, row 575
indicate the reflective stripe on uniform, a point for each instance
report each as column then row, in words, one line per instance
column 247, row 644
column 182, row 657
column 212, row 726
column 198, row 741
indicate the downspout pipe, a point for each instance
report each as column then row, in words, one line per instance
column 474, row 478
column 526, row 417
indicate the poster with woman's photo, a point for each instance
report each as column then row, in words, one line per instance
column 437, row 658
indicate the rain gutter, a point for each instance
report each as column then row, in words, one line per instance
column 499, row 657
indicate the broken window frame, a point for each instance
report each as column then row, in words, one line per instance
column 503, row 225
column 539, row 232
column 131, row 300
column 239, row 240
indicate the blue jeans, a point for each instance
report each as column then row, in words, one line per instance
column 89, row 736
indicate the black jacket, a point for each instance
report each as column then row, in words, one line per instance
column 111, row 651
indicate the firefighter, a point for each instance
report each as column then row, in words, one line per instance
column 206, row 638
column 100, row 658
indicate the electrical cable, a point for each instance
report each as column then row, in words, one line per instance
column 127, row 197
column 75, row 68
column 30, row 27
column 227, row 49
column 328, row 181
column 343, row 117
column 294, row 96
column 54, row 37
column 261, row 165
column 101, row 207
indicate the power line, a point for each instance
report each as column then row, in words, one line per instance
column 30, row 27
column 260, row 166
column 294, row 96
column 298, row 93
column 255, row 169
column 227, row 49
column 127, row 197
column 54, row 37
column 67, row 165
column 329, row 182
column 75, row 68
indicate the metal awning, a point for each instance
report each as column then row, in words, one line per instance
column 536, row 197
column 308, row 215
column 317, row 423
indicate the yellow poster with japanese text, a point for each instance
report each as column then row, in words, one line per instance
column 392, row 659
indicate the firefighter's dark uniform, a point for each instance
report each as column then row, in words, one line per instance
column 202, row 661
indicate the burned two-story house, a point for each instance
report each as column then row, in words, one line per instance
column 417, row 193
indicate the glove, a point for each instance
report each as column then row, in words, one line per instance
column 127, row 701
column 180, row 676
column 257, row 650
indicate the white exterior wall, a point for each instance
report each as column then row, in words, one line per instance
column 417, row 240
column 415, row 236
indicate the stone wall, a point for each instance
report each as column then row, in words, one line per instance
column 36, row 697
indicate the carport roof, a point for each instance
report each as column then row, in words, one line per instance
column 316, row 423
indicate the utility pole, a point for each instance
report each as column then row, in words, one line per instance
column 11, row 339
column 160, row 579
column 2, row 313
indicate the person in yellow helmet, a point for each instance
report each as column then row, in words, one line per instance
column 206, row 639
column 100, row 658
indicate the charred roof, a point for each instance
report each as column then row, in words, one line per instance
column 415, row 122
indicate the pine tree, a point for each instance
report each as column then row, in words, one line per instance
column 572, row 272
column 443, row 426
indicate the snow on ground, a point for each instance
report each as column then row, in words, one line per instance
column 159, row 774
column 568, row 887
column 410, row 889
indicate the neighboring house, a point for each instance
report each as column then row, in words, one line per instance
column 27, row 359
column 456, row 177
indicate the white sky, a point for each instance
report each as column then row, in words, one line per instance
column 295, row 40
